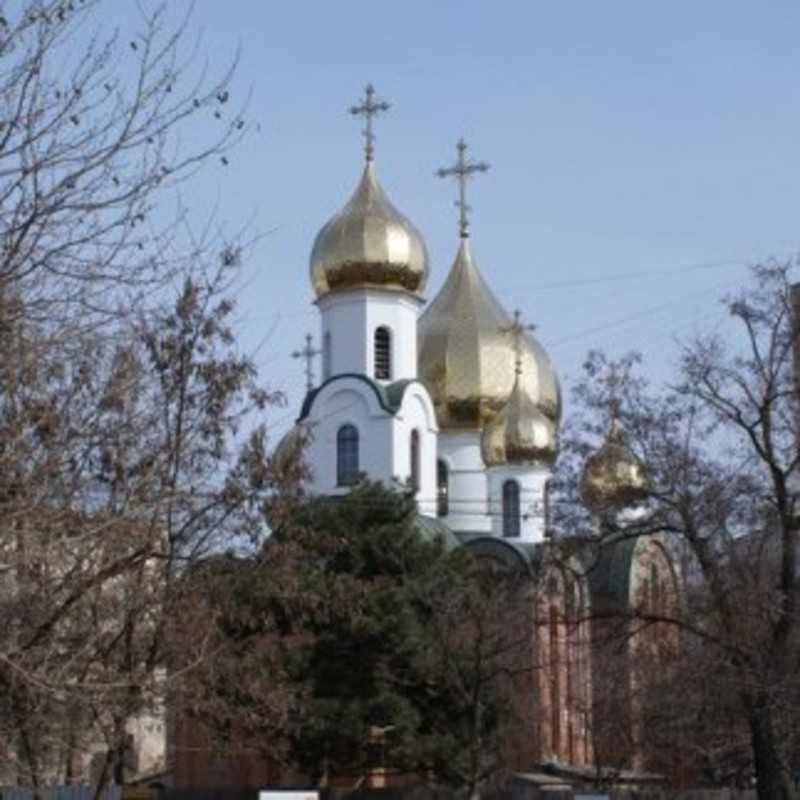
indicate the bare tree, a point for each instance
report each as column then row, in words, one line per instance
column 124, row 455
column 483, row 669
column 721, row 449
column 92, row 133
column 119, row 471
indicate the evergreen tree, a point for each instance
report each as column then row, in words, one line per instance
column 358, row 640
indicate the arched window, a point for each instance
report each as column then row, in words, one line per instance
column 655, row 590
column 347, row 455
column 555, row 680
column 572, row 701
column 383, row 354
column 414, row 448
column 326, row 356
column 442, row 489
column 511, row 521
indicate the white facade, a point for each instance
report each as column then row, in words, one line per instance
column 349, row 320
column 417, row 414
column 467, row 487
column 370, row 416
column 384, row 436
column 352, row 395
column 531, row 484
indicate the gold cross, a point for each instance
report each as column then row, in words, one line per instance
column 463, row 169
column 309, row 352
column 517, row 330
column 369, row 109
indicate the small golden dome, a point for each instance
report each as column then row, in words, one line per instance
column 467, row 362
column 519, row 434
column 289, row 450
column 613, row 477
column 369, row 243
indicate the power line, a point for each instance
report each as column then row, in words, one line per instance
column 704, row 265
column 645, row 313
column 568, row 284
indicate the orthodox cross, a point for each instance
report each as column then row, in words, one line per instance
column 613, row 381
column 517, row 330
column 309, row 353
column 463, row 169
column 370, row 108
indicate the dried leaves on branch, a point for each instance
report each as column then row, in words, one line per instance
column 125, row 408
column 721, row 450
column 92, row 130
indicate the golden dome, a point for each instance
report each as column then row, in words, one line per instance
column 613, row 477
column 369, row 243
column 519, row 434
column 467, row 362
column 288, row 453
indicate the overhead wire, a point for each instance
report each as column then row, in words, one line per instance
column 649, row 273
column 572, row 283
column 591, row 331
column 643, row 314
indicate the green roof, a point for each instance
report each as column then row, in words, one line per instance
column 390, row 397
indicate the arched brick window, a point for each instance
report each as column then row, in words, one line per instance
column 655, row 591
column 555, row 679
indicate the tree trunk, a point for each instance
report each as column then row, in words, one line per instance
column 771, row 780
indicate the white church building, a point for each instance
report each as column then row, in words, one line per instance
column 455, row 398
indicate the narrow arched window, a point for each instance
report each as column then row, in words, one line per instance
column 555, row 680
column 511, row 521
column 442, row 489
column 326, row 356
column 655, row 590
column 383, row 354
column 414, row 448
column 347, row 455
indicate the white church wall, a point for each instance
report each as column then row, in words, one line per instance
column 417, row 413
column 352, row 401
column 350, row 320
column 532, row 483
column 468, row 507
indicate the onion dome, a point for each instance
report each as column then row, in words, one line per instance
column 369, row 243
column 467, row 362
column 289, row 449
column 519, row 434
column 613, row 477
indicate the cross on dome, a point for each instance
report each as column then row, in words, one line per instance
column 309, row 353
column 517, row 330
column 462, row 170
column 613, row 380
column 370, row 108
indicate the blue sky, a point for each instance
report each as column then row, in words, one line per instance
column 642, row 154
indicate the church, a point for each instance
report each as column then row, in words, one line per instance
column 457, row 399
